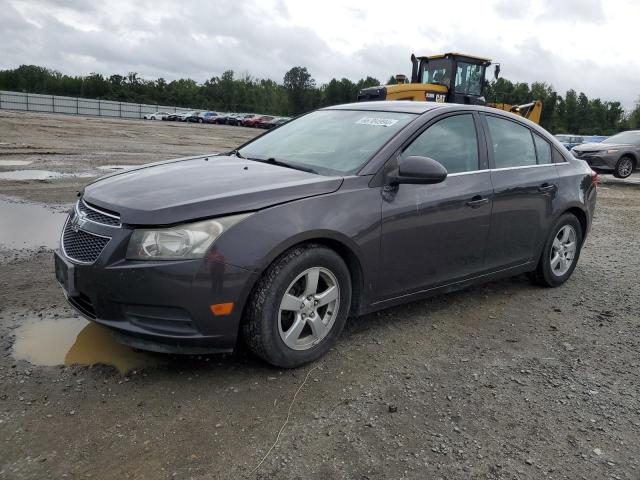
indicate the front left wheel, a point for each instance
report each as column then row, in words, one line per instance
column 298, row 307
column 624, row 167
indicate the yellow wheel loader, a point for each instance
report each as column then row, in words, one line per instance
column 448, row 78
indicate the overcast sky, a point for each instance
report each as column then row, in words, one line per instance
column 588, row 45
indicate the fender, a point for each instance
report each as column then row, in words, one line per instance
column 571, row 206
column 258, row 240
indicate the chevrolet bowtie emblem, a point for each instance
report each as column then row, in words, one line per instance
column 78, row 221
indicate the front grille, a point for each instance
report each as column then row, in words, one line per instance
column 97, row 215
column 83, row 303
column 82, row 246
column 169, row 320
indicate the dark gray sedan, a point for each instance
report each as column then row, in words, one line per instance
column 619, row 154
column 343, row 211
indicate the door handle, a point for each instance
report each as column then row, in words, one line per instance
column 545, row 188
column 477, row 202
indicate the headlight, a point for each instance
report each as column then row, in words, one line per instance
column 613, row 150
column 191, row 240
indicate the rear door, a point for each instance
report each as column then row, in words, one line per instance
column 436, row 234
column 525, row 184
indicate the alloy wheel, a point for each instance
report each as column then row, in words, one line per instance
column 625, row 167
column 309, row 308
column 563, row 250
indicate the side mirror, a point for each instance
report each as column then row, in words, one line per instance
column 418, row 170
column 496, row 71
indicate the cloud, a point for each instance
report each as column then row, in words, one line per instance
column 513, row 9
column 574, row 11
column 264, row 38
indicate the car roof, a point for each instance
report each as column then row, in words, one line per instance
column 401, row 106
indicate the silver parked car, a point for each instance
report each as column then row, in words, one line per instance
column 156, row 116
column 619, row 153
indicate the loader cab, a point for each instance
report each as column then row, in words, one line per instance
column 462, row 75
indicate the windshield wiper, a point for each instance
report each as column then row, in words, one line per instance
column 281, row 163
column 236, row 153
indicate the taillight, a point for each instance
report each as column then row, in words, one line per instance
column 595, row 180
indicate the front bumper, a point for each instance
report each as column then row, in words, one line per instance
column 162, row 306
column 598, row 161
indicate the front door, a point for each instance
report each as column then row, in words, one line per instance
column 436, row 234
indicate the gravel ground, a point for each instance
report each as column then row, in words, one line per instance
column 504, row 380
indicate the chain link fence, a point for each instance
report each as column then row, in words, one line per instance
column 33, row 102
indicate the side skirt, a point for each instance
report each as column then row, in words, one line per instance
column 450, row 287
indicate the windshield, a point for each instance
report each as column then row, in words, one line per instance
column 631, row 138
column 329, row 141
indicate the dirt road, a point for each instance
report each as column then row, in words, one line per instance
column 506, row 380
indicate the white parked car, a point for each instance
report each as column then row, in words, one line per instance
column 155, row 116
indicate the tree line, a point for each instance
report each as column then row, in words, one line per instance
column 572, row 113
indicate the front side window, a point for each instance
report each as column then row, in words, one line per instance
column 451, row 141
column 512, row 143
column 469, row 78
column 329, row 141
column 437, row 72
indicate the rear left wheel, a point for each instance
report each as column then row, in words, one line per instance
column 560, row 253
column 298, row 307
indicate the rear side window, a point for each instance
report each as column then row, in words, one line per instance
column 558, row 157
column 543, row 150
column 512, row 143
column 451, row 141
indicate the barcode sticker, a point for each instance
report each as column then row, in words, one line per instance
column 377, row 121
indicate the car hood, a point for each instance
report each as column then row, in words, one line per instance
column 199, row 187
column 598, row 147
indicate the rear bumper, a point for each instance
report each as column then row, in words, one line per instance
column 162, row 306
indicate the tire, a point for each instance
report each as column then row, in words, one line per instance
column 296, row 335
column 200, row 120
column 624, row 167
column 552, row 270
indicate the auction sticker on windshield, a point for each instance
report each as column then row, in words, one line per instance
column 380, row 122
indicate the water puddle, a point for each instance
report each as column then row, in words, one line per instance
column 15, row 163
column 39, row 175
column 75, row 341
column 29, row 175
column 115, row 168
column 28, row 225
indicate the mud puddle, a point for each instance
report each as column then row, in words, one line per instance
column 15, row 163
column 28, row 225
column 38, row 175
column 75, row 341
